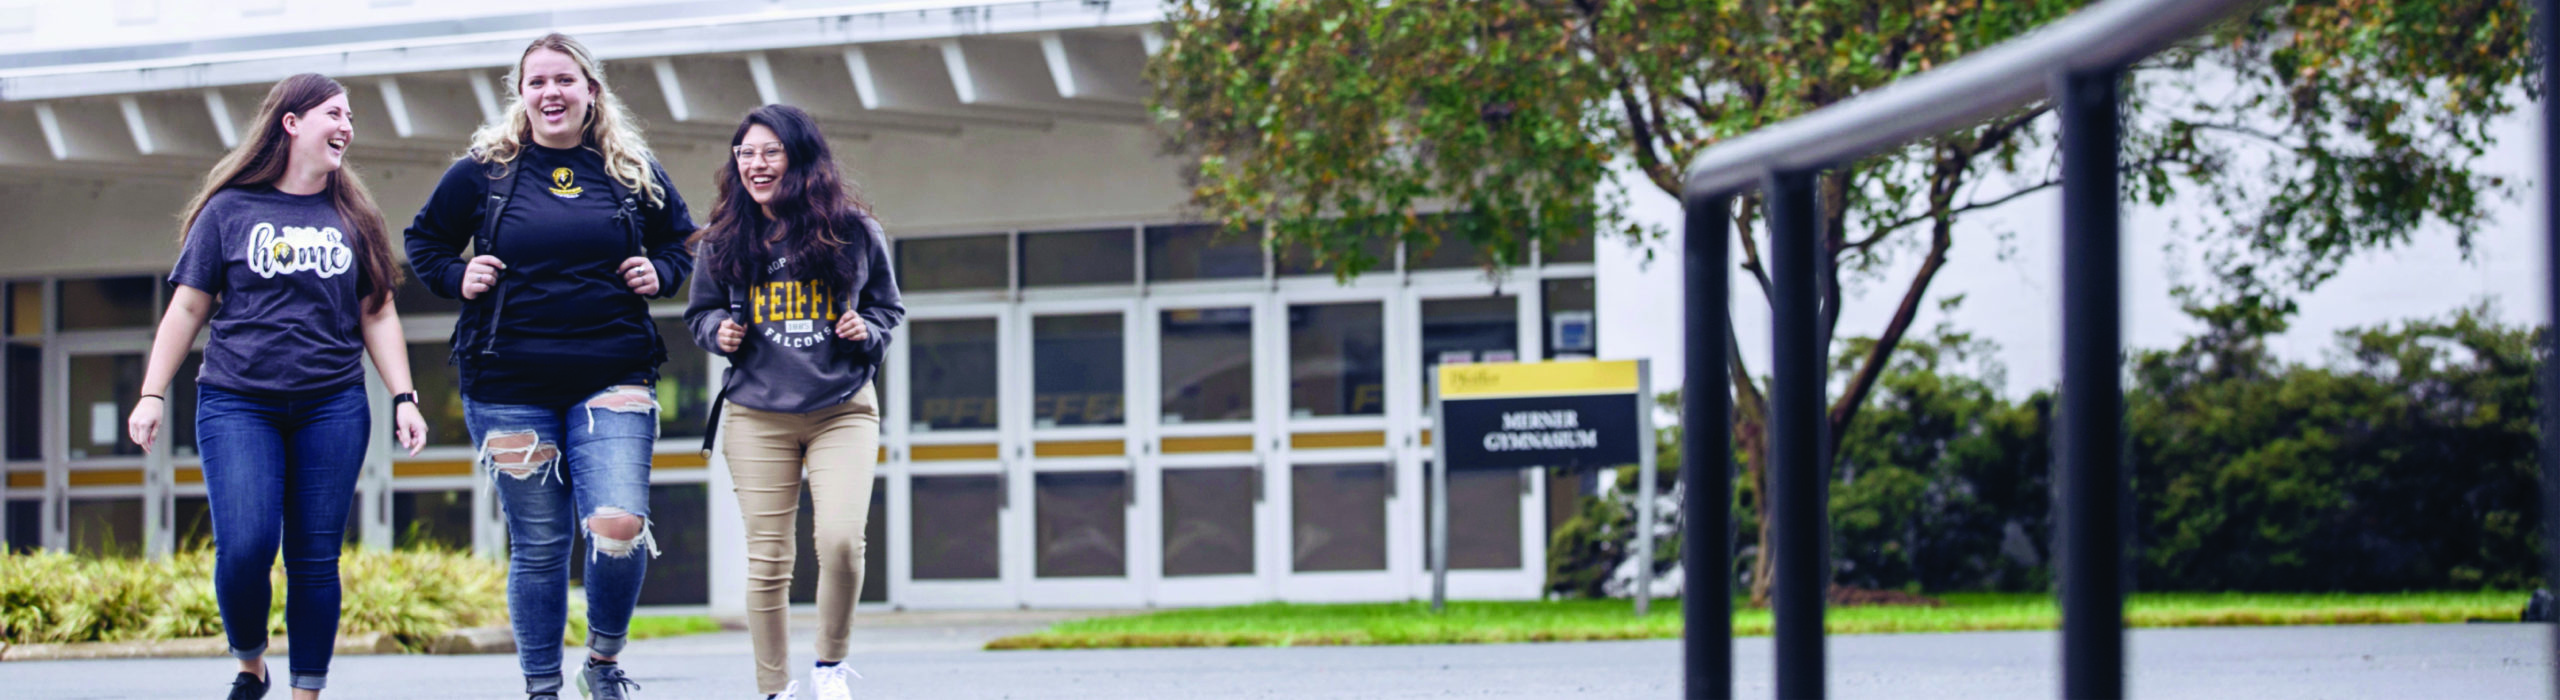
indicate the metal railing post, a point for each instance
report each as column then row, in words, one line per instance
column 2546, row 34
column 1796, row 473
column 2092, row 475
column 1706, row 453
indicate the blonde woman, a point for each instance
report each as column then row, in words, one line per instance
column 573, row 228
column 284, row 253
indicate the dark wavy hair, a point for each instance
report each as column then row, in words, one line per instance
column 817, row 217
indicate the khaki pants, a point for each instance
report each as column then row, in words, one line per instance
column 840, row 446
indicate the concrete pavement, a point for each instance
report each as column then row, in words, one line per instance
column 939, row 661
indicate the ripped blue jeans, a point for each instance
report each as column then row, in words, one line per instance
column 580, row 469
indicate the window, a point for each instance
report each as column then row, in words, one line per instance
column 1337, row 360
column 26, row 525
column 875, row 550
column 194, row 526
column 1202, row 252
column 439, row 387
column 181, row 415
column 1573, row 329
column 958, row 540
column 103, row 391
column 1464, row 331
column 1484, row 518
column 1207, row 363
column 953, row 263
column 1081, row 523
column 954, row 370
column 1077, row 370
column 679, row 516
column 1377, row 249
column 106, row 527
column 25, row 389
column 26, row 309
column 413, row 299
column 1338, row 517
column 1453, row 249
column 433, row 519
column 1097, row 256
column 684, row 382
column 112, row 302
column 1208, row 521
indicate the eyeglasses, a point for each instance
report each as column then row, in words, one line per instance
column 746, row 154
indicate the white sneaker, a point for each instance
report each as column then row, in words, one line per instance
column 789, row 692
column 831, row 681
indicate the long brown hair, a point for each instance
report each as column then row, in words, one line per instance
column 263, row 157
column 820, row 211
column 610, row 128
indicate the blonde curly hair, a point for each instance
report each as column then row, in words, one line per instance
column 610, row 128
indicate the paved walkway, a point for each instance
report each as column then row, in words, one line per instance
column 911, row 658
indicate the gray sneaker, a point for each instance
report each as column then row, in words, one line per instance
column 606, row 682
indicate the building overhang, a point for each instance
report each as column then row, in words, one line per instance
column 930, row 67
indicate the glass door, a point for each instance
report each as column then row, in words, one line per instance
column 1348, row 502
column 962, row 520
column 1210, row 529
column 1497, row 543
column 1078, row 463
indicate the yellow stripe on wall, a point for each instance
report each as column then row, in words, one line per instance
column 679, row 460
column 1322, row 441
column 1215, row 443
column 1537, row 378
column 190, row 475
column 410, row 470
column 950, row 453
column 1080, row 448
column 116, row 477
column 26, row 301
column 26, row 480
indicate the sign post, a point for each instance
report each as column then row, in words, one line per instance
column 1557, row 415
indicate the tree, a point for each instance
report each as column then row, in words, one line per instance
column 2306, row 131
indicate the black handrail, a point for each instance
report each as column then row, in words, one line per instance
column 2078, row 63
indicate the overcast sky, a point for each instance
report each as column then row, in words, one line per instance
column 2016, row 301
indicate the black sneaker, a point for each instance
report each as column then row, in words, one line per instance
column 605, row 682
column 247, row 686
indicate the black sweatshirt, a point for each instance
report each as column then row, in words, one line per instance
column 792, row 361
column 569, row 326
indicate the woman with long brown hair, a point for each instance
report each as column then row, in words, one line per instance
column 284, row 253
column 792, row 284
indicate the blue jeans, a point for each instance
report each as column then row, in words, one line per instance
column 281, row 471
column 569, row 469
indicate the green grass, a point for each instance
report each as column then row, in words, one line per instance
column 1476, row 622
column 657, row 626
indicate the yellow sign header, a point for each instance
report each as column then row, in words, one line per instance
column 1506, row 379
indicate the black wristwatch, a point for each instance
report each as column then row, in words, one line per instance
column 403, row 397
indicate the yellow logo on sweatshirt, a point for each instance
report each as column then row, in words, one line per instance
column 565, row 183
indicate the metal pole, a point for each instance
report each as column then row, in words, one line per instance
column 1706, row 455
column 1795, row 436
column 2093, row 480
column 2547, row 37
column 1644, row 487
column 1439, row 501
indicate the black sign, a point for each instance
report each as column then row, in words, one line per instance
column 1540, row 431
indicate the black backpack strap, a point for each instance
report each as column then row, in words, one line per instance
column 495, row 207
column 711, row 425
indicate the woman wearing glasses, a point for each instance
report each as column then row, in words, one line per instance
column 573, row 229
column 792, row 284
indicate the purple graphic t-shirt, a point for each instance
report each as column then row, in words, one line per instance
column 283, row 270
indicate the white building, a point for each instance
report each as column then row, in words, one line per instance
column 1094, row 403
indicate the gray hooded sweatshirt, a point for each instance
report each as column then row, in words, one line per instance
column 792, row 361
